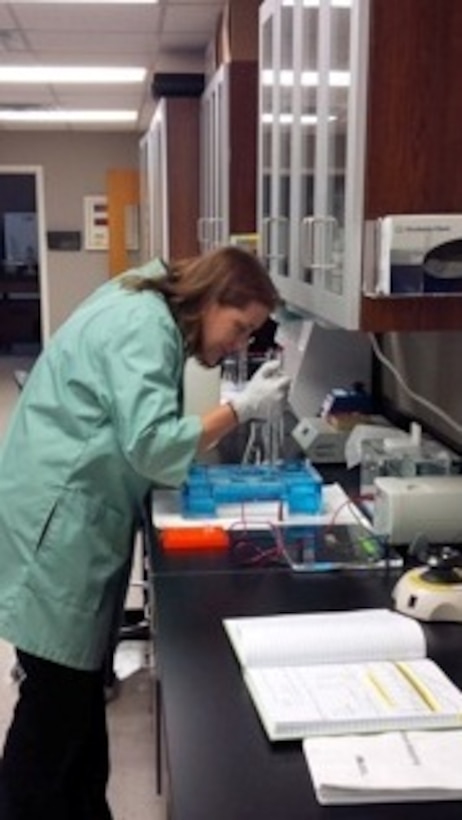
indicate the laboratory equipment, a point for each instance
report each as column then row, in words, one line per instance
column 194, row 538
column 316, row 358
column 414, row 455
column 234, row 374
column 320, row 440
column 296, row 484
column 315, row 548
column 341, row 400
column 432, row 592
column 405, row 508
column 336, row 440
column 264, row 442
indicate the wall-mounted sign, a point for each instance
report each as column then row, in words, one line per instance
column 96, row 227
column 64, row 240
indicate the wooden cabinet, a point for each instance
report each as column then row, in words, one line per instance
column 123, row 198
column 360, row 112
column 169, row 180
column 228, row 154
column 414, row 137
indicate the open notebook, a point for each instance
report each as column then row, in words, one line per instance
column 341, row 673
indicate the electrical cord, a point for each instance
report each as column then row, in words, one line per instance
column 265, row 542
column 411, row 393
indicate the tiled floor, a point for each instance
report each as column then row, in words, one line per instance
column 132, row 788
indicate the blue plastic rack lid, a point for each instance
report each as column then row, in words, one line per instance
column 295, row 483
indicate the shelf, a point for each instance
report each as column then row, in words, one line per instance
column 385, row 314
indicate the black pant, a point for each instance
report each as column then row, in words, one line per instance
column 55, row 759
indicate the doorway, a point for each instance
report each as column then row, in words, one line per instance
column 23, row 259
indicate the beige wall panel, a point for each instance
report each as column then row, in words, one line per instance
column 75, row 165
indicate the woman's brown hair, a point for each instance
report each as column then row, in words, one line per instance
column 229, row 277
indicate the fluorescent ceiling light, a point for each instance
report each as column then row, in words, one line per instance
column 339, row 4
column 288, row 119
column 54, row 116
column 337, row 79
column 70, row 74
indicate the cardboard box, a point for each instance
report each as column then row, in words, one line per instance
column 420, row 254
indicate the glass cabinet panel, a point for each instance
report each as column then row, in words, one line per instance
column 313, row 113
column 205, row 181
column 339, row 79
column 159, row 228
column 276, row 62
column 154, row 229
column 306, row 134
column 213, row 228
column 145, row 200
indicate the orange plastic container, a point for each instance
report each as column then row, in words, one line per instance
column 194, row 538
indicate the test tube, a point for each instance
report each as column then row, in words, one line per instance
column 275, row 423
column 242, row 367
column 274, row 438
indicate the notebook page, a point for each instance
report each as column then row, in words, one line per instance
column 334, row 699
column 329, row 637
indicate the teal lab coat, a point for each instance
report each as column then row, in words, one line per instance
column 96, row 427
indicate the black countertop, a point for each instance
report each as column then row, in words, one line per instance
column 221, row 765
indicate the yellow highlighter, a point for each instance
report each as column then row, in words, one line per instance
column 380, row 689
column 419, row 687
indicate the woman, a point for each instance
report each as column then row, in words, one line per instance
column 99, row 424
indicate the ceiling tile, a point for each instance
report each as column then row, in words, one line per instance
column 187, row 18
column 88, row 17
column 91, row 45
column 171, row 36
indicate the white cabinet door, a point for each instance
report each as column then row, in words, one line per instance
column 275, row 130
column 213, row 229
column 145, row 199
column 312, row 131
column 154, row 203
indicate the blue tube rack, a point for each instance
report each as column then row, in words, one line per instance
column 295, row 483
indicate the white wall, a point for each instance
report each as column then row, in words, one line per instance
column 74, row 165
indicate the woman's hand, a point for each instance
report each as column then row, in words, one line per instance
column 265, row 394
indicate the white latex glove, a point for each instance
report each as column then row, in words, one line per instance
column 265, row 394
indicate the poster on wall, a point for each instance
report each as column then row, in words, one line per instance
column 96, row 226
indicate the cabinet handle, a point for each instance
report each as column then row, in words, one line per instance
column 323, row 228
column 217, row 231
column 205, row 233
column 201, row 231
column 269, row 224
